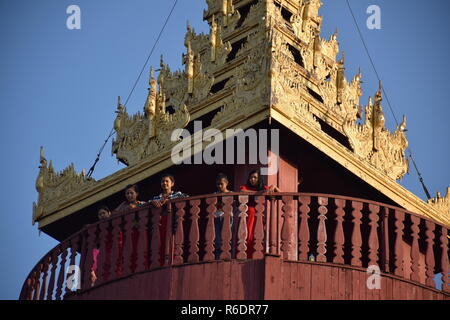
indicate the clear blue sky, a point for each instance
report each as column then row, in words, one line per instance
column 59, row 87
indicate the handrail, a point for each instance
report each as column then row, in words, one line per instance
column 292, row 225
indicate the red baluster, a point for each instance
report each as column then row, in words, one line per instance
column 322, row 230
column 46, row 261
column 156, row 238
column 259, row 227
column 62, row 271
column 273, row 233
column 102, row 255
column 303, row 233
column 32, row 286
column 385, row 238
column 399, row 264
column 116, row 248
column 73, row 253
column 210, row 234
column 242, row 231
column 179, row 234
column 128, row 245
column 168, row 240
column 37, row 282
column 444, row 260
column 194, row 232
column 415, row 248
column 356, row 235
column 373, row 236
column 226, row 228
column 51, row 282
column 29, row 287
column 429, row 259
column 286, row 234
column 142, row 245
column 91, row 244
column 339, row 232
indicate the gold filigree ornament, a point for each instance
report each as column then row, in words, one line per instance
column 373, row 143
column 54, row 188
column 442, row 204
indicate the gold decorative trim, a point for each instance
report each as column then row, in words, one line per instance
column 53, row 187
column 284, row 70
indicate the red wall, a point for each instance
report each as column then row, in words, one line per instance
column 271, row 278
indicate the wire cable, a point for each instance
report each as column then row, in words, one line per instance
column 97, row 159
column 387, row 98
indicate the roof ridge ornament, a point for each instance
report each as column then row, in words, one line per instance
column 55, row 187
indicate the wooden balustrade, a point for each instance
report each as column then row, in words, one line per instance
column 339, row 230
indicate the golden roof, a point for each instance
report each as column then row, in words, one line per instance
column 260, row 60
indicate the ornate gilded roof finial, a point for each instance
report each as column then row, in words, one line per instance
column 42, row 159
column 162, row 104
column 42, row 168
column 317, row 49
column 402, row 126
column 150, row 104
column 335, row 35
column 162, row 72
column 340, row 79
column 442, row 204
column 227, row 10
column 378, row 118
column 213, row 38
column 120, row 109
column 379, row 94
column 188, row 61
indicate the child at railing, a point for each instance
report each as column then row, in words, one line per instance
column 255, row 184
column 222, row 187
column 167, row 185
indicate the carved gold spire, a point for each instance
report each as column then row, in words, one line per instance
column 120, row 109
column 213, row 38
column 188, row 61
column 227, row 11
column 150, row 103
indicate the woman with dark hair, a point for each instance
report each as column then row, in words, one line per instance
column 167, row 184
column 131, row 202
column 255, row 184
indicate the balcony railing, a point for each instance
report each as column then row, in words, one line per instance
column 294, row 226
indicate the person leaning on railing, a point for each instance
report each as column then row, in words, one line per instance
column 167, row 185
column 222, row 184
column 255, row 185
column 131, row 202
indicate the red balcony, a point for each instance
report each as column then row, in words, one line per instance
column 306, row 246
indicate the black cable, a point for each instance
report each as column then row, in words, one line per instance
column 91, row 170
column 387, row 98
column 151, row 51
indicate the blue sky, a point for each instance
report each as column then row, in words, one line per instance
column 59, row 88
